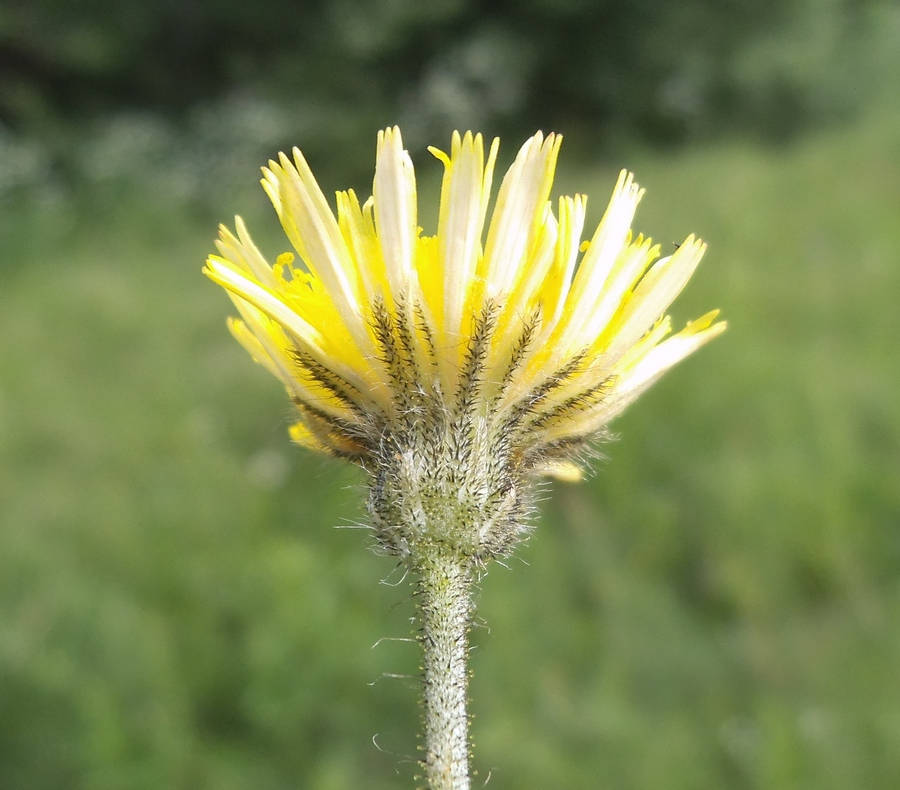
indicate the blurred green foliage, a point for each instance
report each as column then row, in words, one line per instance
column 718, row 608
column 659, row 71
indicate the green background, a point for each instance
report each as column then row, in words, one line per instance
column 718, row 606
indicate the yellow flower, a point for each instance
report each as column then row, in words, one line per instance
column 508, row 350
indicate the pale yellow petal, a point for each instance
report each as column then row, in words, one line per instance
column 464, row 197
column 264, row 300
column 564, row 471
column 642, row 375
column 313, row 230
column 394, row 191
column 652, row 296
column 241, row 251
column 516, row 219
column 558, row 280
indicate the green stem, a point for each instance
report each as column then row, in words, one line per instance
column 445, row 610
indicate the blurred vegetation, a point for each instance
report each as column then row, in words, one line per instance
column 643, row 69
column 718, row 608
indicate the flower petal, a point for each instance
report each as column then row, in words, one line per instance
column 517, row 215
column 394, row 191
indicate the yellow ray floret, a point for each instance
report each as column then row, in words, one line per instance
column 508, row 332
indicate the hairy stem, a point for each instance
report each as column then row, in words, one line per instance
column 445, row 610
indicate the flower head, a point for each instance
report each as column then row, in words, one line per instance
column 455, row 367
